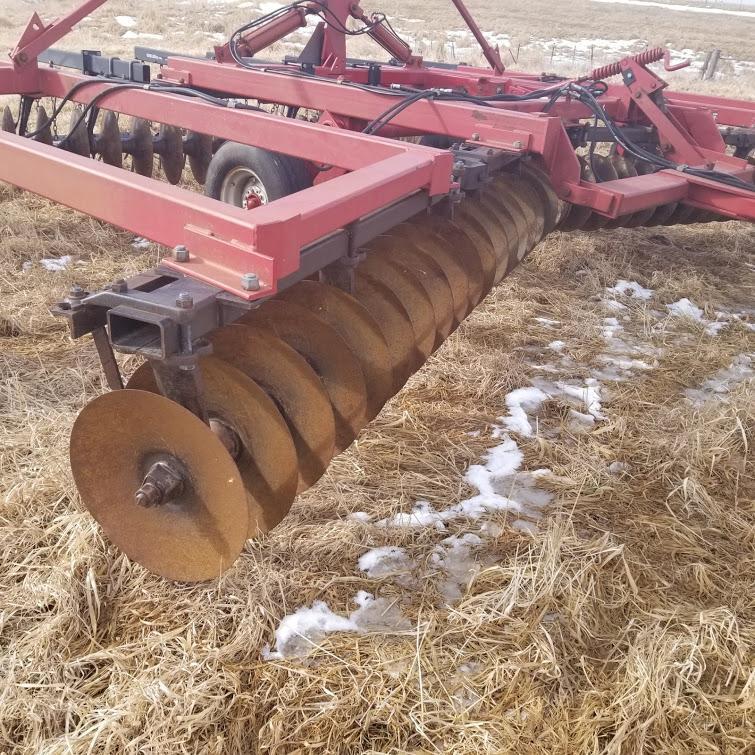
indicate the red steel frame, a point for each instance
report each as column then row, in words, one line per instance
column 371, row 172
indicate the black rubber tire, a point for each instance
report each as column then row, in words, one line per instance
column 277, row 173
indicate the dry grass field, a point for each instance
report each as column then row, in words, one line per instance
column 544, row 544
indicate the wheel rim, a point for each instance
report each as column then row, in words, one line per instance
column 242, row 187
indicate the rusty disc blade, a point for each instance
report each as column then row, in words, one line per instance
column 603, row 170
column 142, row 149
column 531, row 198
column 347, row 317
column 430, row 275
column 462, row 267
column 109, row 141
column 681, row 214
column 199, row 149
column 327, row 354
column 479, row 243
column 394, row 322
column 77, row 140
column 487, row 212
column 642, row 217
column 294, row 387
column 515, row 230
column 170, row 147
column 263, row 448
column 45, row 134
column 197, row 534
column 553, row 207
column 9, row 124
column 409, row 290
column 521, row 200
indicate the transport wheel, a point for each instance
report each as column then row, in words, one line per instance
column 248, row 177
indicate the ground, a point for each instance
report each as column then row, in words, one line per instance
column 544, row 543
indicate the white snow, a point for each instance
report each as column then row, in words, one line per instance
column 384, row 561
column 127, row 22
column 522, row 402
column 300, row 632
column 610, row 328
column 630, row 288
column 422, row 515
column 724, row 381
column 685, row 308
column 618, row 468
column 682, row 8
column 141, row 243
column 359, row 516
column 57, row 264
column 455, row 556
column 547, row 321
column 556, row 345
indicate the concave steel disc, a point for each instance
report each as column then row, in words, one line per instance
column 359, row 330
column 553, row 207
column 395, row 324
column 525, row 204
column 505, row 237
column 641, row 217
column 530, row 197
column 109, row 143
column 412, row 295
column 327, row 354
column 193, row 537
column 465, row 279
column 77, row 140
column 171, row 149
column 142, row 147
column 45, row 135
column 603, row 170
column 516, row 231
column 429, row 274
column 199, row 149
column 294, row 387
column 265, row 456
column 9, row 124
column 483, row 211
column 624, row 169
column 479, row 243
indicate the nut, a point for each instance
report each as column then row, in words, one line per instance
column 181, row 253
column 185, row 300
column 250, row 282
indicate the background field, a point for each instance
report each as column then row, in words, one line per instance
column 612, row 612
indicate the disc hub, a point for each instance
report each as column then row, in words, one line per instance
column 162, row 483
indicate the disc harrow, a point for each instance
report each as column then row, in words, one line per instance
column 352, row 217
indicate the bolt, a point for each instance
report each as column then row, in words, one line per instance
column 162, row 483
column 517, row 144
column 185, row 300
column 119, row 286
column 181, row 253
column 475, row 137
column 76, row 292
column 250, row 282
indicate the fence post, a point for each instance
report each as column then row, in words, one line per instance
column 710, row 71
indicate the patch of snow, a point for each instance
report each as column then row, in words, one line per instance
column 610, row 327
column 422, row 515
column 455, row 556
column 131, row 34
column 630, row 288
column 57, row 264
column 578, row 422
column 127, row 22
column 618, row 468
column 613, row 305
column 547, row 321
column 685, row 308
column 359, row 516
column 141, row 243
column 300, row 632
column 723, row 381
column 556, row 345
column 384, row 561
column 522, row 402
column 680, row 7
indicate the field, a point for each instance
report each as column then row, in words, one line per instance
column 544, row 543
